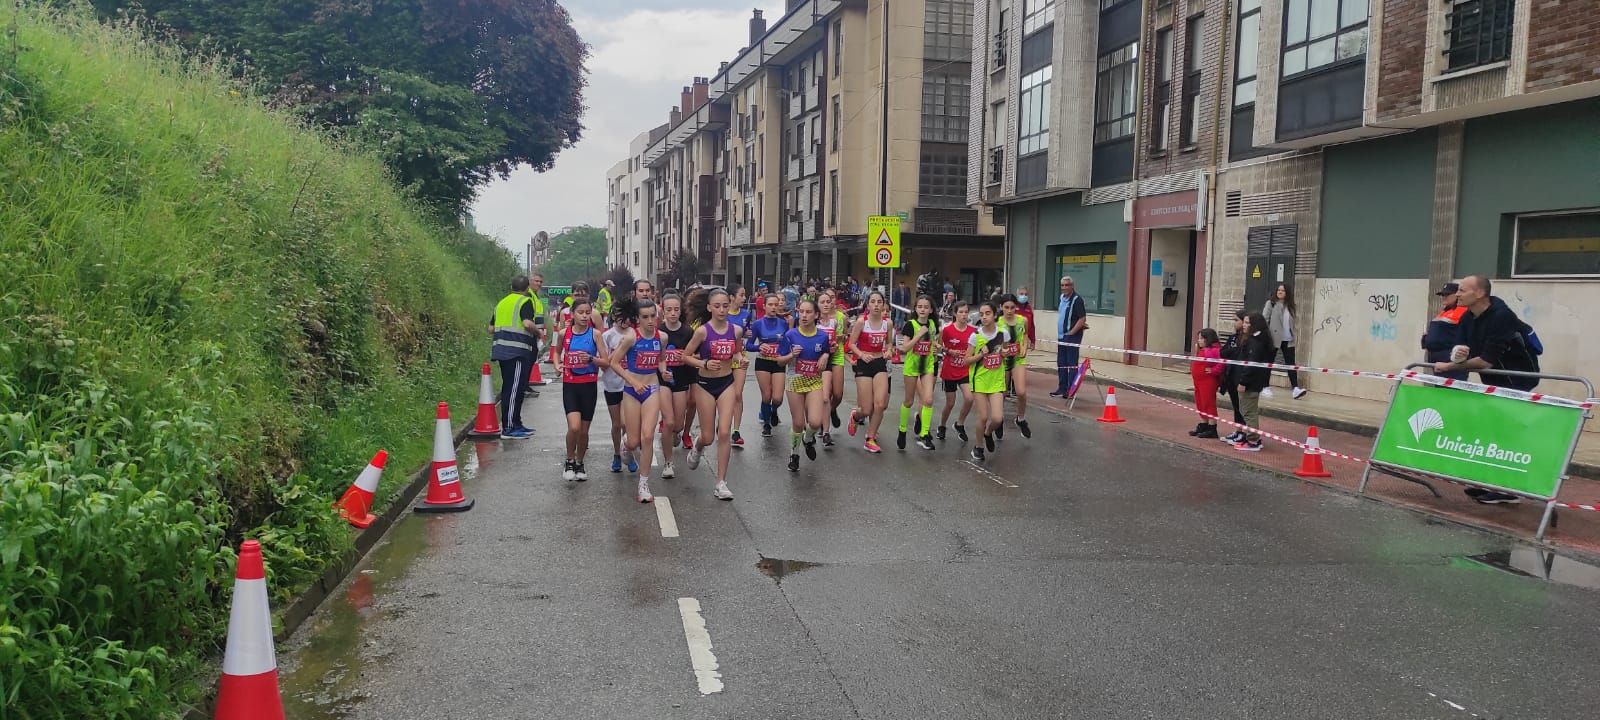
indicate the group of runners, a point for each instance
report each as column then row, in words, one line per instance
column 667, row 365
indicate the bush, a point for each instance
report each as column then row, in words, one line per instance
column 209, row 320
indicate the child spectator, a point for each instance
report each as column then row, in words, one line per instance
column 1207, row 378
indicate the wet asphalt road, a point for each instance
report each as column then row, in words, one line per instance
column 1118, row 578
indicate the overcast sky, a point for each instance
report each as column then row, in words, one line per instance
column 642, row 54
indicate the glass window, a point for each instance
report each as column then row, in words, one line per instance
column 836, row 130
column 1557, row 244
column 1317, row 33
column 1034, row 121
column 1115, row 98
column 944, row 106
column 838, row 45
column 1246, row 61
column 943, row 176
column 1037, row 14
column 1163, row 94
column 1190, row 121
column 1477, row 32
column 947, row 30
column 833, row 197
column 1094, row 272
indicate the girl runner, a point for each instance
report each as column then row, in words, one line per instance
column 611, row 385
column 712, row 351
column 578, row 355
column 740, row 316
column 956, row 339
column 987, row 358
column 696, row 298
column 807, row 349
column 1016, row 353
column 917, row 345
column 638, row 359
column 870, row 338
column 765, row 335
column 674, row 407
column 833, row 324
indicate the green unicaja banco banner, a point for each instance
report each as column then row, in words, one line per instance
column 1494, row 441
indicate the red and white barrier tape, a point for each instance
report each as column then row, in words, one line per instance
column 1296, row 443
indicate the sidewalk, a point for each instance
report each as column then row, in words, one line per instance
column 1346, row 425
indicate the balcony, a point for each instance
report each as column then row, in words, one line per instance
column 797, row 104
column 997, row 166
column 999, row 50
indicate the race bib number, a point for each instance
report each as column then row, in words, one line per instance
column 808, row 368
column 576, row 359
column 872, row 342
column 769, row 350
column 992, row 361
column 674, row 357
column 647, row 359
column 721, row 349
column 448, row 475
column 922, row 347
column 1010, row 349
column 956, row 360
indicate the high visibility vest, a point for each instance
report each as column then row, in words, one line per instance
column 510, row 338
column 604, row 302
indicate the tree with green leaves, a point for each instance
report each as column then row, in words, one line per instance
column 450, row 94
column 577, row 253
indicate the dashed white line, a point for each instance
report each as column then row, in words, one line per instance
column 669, row 522
column 1002, row 482
column 700, row 657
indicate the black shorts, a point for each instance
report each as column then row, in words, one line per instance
column 579, row 398
column 683, row 378
column 715, row 385
column 953, row 385
column 613, row 399
column 768, row 366
column 872, row 368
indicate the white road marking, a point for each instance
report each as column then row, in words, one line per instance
column 700, row 657
column 1002, row 482
column 669, row 523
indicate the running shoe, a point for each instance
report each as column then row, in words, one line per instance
column 688, row 442
column 977, row 453
column 794, row 462
column 1022, row 425
column 515, row 434
column 582, row 474
column 988, row 442
column 1233, row 437
column 925, row 442
column 523, row 428
column 644, row 491
column 900, row 442
column 851, row 428
column 694, row 458
column 916, row 424
column 941, row 433
column 721, row 492
column 633, row 463
column 616, row 463
column 737, row 440
column 668, row 472
column 1298, row 393
column 1000, row 432
column 811, row 450
column 1248, row 446
column 871, row 445
column 833, row 416
column 1491, row 497
column 774, row 417
column 766, row 429
column 961, row 432
column 827, row 439
column 568, row 472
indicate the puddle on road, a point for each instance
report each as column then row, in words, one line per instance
column 1538, row 563
column 323, row 665
column 779, row 569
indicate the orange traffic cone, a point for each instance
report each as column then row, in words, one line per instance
column 249, row 689
column 487, row 423
column 444, row 479
column 356, row 505
column 1311, row 460
column 534, row 378
column 1110, row 414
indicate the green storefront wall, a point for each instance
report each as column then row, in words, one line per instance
column 1377, row 207
column 1529, row 161
column 1034, row 226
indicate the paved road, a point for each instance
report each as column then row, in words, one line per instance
column 1084, row 573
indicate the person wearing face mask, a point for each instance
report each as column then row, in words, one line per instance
column 1025, row 309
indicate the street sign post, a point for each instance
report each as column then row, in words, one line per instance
column 883, row 241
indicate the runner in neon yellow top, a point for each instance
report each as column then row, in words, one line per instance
column 987, row 360
column 1017, row 360
column 918, row 341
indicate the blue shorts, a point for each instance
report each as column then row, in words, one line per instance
column 641, row 397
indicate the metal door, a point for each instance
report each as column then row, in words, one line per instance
column 1269, row 261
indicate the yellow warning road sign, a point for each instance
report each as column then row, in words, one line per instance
column 883, row 241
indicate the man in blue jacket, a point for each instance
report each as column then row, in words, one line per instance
column 1444, row 330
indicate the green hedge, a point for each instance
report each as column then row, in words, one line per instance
column 209, row 320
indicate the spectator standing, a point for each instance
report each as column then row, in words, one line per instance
column 1072, row 318
column 1207, row 378
column 1233, row 350
column 1025, row 309
column 1444, row 330
column 1279, row 312
column 1257, row 346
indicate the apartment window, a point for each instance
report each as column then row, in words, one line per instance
column 1477, row 32
column 1189, row 132
column 1241, row 127
column 1560, row 244
column 1163, row 94
column 942, row 176
column 1037, row 14
column 1093, row 269
column 838, row 45
column 947, row 30
column 1318, row 33
column 636, row 227
column 944, row 106
column 1000, row 33
column 1115, row 98
column 837, row 124
column 997, row 124
column 833, row 197
column 1033, row 130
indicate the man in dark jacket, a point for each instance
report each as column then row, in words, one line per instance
column 1444, row 330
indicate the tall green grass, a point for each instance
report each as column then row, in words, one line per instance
column 209, row 319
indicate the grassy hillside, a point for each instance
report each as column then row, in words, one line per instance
column 209, row 320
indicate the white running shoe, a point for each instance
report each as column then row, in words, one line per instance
column 644, row 491
column 569, row 472
column 722, row 492
column 667, row 472
column 694, row 458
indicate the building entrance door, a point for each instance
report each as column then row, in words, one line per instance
column 1169, row 325
column 1269, row 261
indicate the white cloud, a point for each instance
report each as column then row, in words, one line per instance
column 640, row 61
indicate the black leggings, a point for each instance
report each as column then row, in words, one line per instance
column 1288, row 359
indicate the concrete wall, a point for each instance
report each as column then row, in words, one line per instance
column 1377, row 200
column 1364, row 324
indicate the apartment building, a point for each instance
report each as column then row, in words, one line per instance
column 1360, row 159
column 836, row 111
column 627, row 211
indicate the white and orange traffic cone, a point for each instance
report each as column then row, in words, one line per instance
column 487, row 424
column 356, row 505
column 534, row 377
column 249, row 688
column 444, row 478
column 1110, row 414
column 1311, row 460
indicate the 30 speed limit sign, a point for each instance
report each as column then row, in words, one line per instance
column 883, row 241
